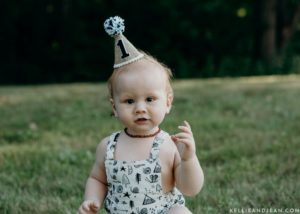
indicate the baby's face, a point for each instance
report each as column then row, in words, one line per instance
column 140, row 98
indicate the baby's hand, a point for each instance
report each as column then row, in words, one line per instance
column 89, row 207
column 185, row 142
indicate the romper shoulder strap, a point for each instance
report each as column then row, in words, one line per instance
column 158, row 140
column 111, row 145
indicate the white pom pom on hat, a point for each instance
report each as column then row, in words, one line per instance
column 125, row 52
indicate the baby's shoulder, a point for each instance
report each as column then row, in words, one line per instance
column 106, row 140
column 102, row 145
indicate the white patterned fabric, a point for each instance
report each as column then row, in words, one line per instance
column 135, row 187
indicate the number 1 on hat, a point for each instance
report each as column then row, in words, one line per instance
column 124, row 53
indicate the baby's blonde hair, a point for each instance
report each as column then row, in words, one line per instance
column 149, row 58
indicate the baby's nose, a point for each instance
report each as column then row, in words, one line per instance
column 140, row 108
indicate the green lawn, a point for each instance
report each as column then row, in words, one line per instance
column 247, row 132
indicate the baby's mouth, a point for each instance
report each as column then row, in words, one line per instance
column 141, row 120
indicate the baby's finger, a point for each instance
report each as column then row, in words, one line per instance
column 187, row 124
column 183, row 135
column 82, row 210
column 174, row 138
column 95, row 206
column 86, row 206
column 185, row 142
column 185, row 129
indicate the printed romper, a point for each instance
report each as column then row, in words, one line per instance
column 134, row 187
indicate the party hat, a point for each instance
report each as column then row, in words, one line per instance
column 125, row 52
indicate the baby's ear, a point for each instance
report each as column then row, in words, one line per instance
column 169, row 102
column 113, row 107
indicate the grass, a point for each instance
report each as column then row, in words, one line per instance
column 247, row 132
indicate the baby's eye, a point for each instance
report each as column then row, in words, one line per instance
column 129, row 101
column 150, row 99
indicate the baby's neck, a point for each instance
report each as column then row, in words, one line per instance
column 143, row 135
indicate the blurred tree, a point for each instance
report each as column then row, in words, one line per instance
column 63, row 40
column 286, row 22
column 275, row 23
column 267, row 25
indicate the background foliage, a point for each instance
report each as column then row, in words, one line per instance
column 64, row 41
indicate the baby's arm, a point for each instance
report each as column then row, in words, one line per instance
column 188, row 172
column 96, row 186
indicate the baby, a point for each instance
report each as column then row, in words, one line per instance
column 142, row 169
